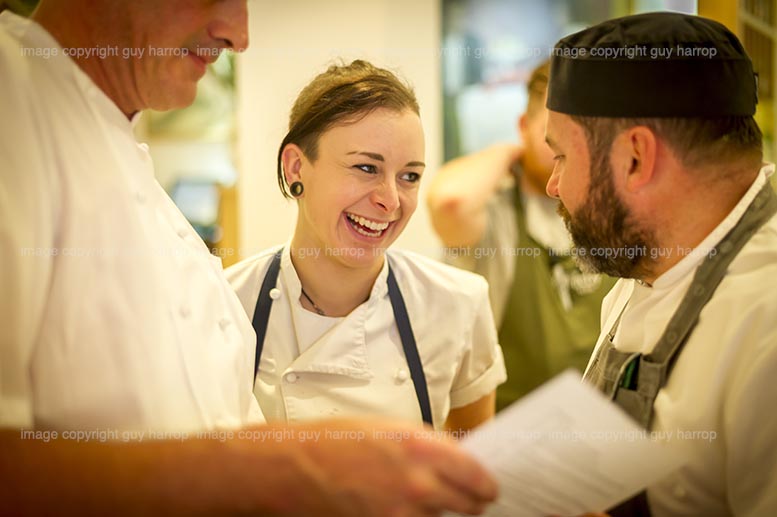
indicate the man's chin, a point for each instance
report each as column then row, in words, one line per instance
column 563, row 212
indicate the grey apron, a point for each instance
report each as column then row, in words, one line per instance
column 633, row 380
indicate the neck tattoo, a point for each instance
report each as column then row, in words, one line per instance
column 315, row 307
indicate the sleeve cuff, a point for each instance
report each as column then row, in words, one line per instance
column 483, row 385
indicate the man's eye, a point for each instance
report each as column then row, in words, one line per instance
column 558, row 157
column 366, row 167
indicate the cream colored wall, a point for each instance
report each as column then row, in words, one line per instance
column 293, row 41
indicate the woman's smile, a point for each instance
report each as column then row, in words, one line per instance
column 367, row 227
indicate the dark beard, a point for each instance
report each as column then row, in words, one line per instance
column 606, row 237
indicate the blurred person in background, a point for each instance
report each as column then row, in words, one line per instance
column 492, row 214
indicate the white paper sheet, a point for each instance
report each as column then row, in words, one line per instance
column 566, row 450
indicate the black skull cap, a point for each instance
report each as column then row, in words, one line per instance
column 652, row 65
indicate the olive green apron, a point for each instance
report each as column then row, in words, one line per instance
column 538, row 335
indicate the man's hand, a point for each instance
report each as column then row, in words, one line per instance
column 461, row 190
column 388, row 470
column 333, row 468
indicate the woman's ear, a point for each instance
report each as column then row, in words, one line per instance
column 292, row 158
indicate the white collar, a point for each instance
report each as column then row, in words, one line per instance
column 290, row 276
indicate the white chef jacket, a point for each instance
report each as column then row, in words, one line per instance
column 723, row 381
column 314, row 366
column 113, row 314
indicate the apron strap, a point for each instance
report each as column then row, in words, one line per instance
column 708, row 277
column 263, row 307
column 262, row 317
column 410, row 348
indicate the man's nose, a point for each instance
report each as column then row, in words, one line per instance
column 230, row 25
column 552, row 187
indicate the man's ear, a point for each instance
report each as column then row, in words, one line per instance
column 523, row 126
column 292, row 158
column 634, row 157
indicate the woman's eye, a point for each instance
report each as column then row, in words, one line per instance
column 366, row 167
column 412, row 177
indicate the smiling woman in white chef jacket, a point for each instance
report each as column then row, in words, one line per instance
column 345, row 328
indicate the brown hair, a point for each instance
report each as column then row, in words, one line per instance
column 537, row 87
column 343, row 94
column 697, row 142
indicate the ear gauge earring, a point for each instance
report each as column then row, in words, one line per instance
column 296, row 189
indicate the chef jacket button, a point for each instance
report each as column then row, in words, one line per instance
column 223, row 323
column 185, row 311
column 679, row 491
column 291, row 378
column 143, row 147
column 140, row 198
column 401, row 375
column 275, row 293
column 182, row 233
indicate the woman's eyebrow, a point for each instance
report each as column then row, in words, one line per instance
column 380, row 158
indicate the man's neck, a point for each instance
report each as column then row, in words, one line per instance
column 689, row 218
column 79, row 32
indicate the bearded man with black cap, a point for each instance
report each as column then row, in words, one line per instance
column 658, row 167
